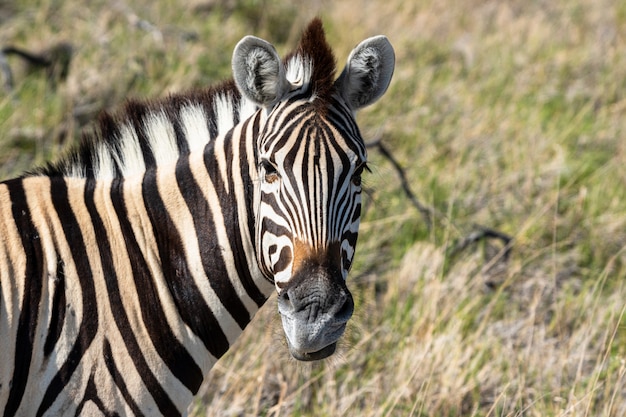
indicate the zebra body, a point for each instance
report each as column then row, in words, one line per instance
column 129, row 267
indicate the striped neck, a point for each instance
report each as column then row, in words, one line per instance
column 197, row 217
column 159, row 268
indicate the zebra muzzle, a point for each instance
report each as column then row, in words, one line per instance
column 314, row 308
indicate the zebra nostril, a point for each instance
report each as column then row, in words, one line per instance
column 285, row 301
column 346, row 310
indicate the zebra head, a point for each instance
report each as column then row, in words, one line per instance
column 309, row 159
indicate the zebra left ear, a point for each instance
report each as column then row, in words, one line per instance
column 259, row 72
column 367, row 73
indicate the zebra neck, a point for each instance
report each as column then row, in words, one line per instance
column 190, row 227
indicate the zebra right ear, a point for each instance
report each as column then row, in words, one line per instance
column 367, row 73
column 259, row 72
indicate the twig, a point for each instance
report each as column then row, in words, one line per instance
column 7, row 74
column 483, row 233
column 426, row 212
column 55, row 61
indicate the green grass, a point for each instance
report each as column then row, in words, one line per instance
column 507, row 115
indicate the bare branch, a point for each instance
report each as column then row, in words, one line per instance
column 55, row 60
column 426, row 212
column 483, row 233
column 429, row 213
column 7, row 74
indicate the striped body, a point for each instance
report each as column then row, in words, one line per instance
column 128, row 268
column 107, row 294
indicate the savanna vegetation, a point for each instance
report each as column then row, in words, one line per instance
column 508, row 119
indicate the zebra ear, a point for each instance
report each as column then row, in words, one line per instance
column 258, row 71
column 367, row 73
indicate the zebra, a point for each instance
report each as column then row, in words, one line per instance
column 129, row 266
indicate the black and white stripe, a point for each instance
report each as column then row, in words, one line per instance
column 128, row 268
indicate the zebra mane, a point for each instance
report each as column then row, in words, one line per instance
column 312, row 65
column 147, row 133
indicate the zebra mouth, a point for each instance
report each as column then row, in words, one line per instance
column 313, row 356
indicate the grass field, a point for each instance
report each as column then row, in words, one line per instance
column 507, row 115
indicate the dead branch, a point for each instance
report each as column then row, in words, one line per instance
column 479, row 233
column 54, row 60
column 483, row 233
column 7, row 74
column 426, row 212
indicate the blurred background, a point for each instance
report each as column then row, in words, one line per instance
column 490, row 274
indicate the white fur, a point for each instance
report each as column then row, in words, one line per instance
column 223, row 107
column 299, row 71
column 77, row 171
column 194, row 122
column 247, row 108
column 103, row 165
column 130, row 160
column 161, row 138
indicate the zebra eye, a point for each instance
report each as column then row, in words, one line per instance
column 356, row 177
column 270, row 173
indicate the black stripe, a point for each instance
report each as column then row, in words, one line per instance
column 91, row 395
column 188, row 298
column 171, row 351
column 211, row 119
column 250, row 129
column 57, row 312
column 268, row 225
column 230, row 213
column 340, row 203
column 251, row 132
column 118, row 379
column 284, row 260
column 161, row 398
column 239, row 252
column 341, row 117
column 27, row 323
column 278, row 136
column 333, row 187
column 109, row 129
column 210, row 248
column 291, row 201
column 236, row 101
column 89, row 324
column 172, row 109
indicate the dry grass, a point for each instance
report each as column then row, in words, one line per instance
column 505, row 114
